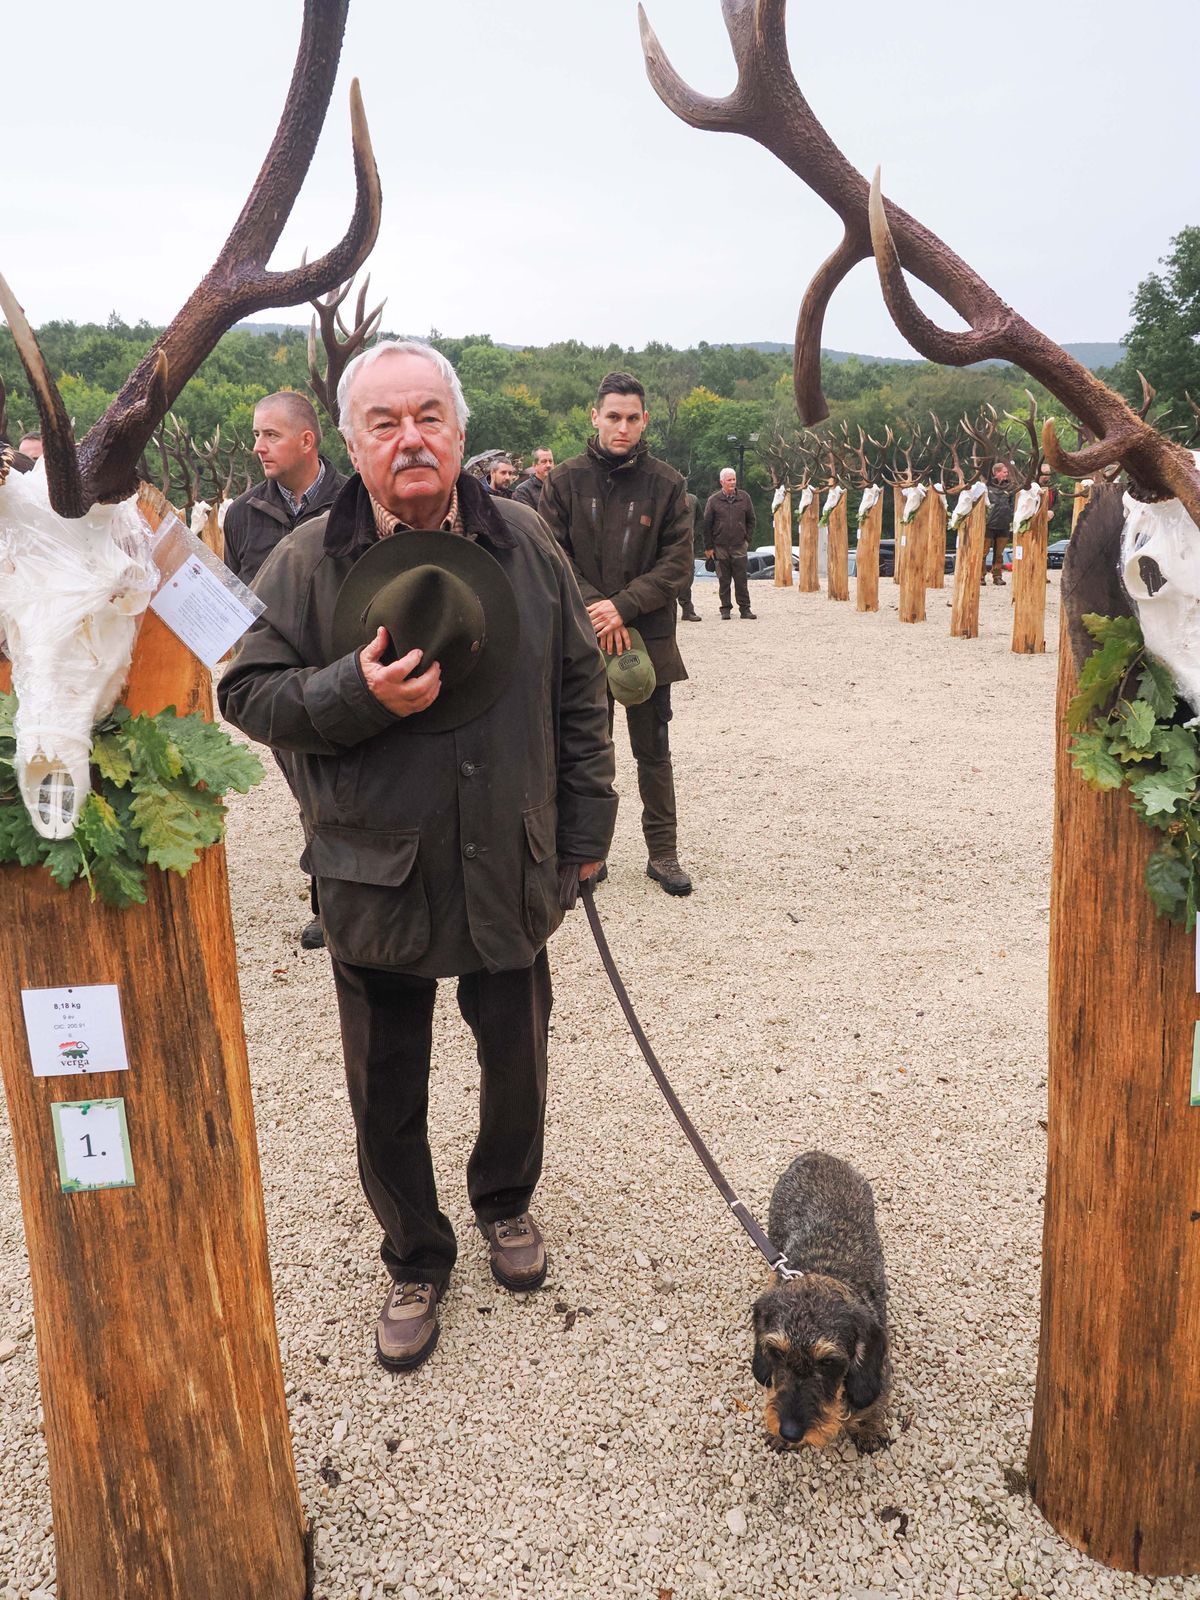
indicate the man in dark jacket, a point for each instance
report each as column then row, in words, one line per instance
column 998, row 530
column 438, row 851
column 728, row 525
column 298, row 482
column 687, row 607
column 623, row 518
column 529, row 490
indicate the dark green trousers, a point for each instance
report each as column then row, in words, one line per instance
column 651, row 748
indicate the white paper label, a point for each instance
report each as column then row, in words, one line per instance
column 200, row 611
column 903, row 540
column 92, row 1141
column 75, row 1030
column 1018, row 552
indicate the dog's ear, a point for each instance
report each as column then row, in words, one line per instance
column 760, row 1366
column 864, row 1380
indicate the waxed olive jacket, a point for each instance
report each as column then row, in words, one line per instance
column 434, row 853
column 626, row 525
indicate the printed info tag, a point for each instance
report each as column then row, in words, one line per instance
column 75, row 1030
column 92, row 1140
column 198, row 598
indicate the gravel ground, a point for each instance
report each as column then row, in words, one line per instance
column 866, row 810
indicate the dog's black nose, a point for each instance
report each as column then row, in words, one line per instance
column 790, row 1430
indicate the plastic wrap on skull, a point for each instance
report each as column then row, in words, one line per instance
column 871, row 497
column 1028, row 504
column 71, row 596
column 967, row 500
column 832, row 500
column 914, row 498
column 1160, row 566
column 806, row 499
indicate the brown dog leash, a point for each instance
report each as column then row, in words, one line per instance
column 774, row 1258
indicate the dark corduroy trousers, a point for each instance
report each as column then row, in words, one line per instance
column 651, row 746
column 387, row 1037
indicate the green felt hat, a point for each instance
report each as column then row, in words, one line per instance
column 446, row 596
column 631, row 677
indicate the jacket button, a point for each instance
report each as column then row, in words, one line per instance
column 467, row 769
column 470, row 851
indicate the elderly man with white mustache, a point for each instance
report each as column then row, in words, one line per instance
column 442, row 800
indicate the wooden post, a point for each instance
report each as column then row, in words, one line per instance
column 968, row 572
column 897, row 528
column 171, row 1472
column 212, row 533
column 808, row 578
column 866, row 561
column 1079, row 500
column 1029, row 585
column 1116, row 1420
column 910, row 559
column 839, row 552
column 783, row 542
column 936, row 522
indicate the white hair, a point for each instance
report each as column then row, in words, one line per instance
column 401, row 347
column 731, row 471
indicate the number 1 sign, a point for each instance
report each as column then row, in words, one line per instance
column 92, row 1140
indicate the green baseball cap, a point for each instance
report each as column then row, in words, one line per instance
column 631, row 677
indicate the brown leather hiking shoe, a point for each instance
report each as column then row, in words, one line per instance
column 667, row 871
column 408, row 1326
column 517, row 1251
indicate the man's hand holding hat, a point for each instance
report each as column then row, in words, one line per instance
column 392, row 686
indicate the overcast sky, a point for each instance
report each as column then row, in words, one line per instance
column 535, row 188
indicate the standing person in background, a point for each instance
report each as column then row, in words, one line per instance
column 501, row 478
column 687, row 609
column 529, row 490
column 623, row 518
column 999, row 522
column 31, row 446
column 728, row 525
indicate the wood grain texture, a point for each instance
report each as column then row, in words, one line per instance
column 808, row 579
column 1114, row 1459
column 968, row 573
column 1029, row 586
column 897, row 529
column 838, row 580
column 935, row 541
column 866, row 561
column 782, row 520
column 171, row 1472
column 910, row 561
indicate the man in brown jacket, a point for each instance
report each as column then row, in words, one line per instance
column 728, row 526
column 437, row 851
column 623, row 518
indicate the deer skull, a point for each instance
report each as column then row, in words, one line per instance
column 832, row 500
column 71, row 593
column 871, row 497
column 967, row 500
column 1160, row 565
column 806, row 499
column 1029, row 503
column 913, row 500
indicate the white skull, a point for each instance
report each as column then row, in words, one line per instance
column 871, row 497
column 71, row 593
column 777, row 497
column 967, row 500
column 941, row 494
column 913, row 500
column 806, row 499
column 1029, row 503
column 832, row 500
column 221, row 510
column 1160, row 564
column 200, row 515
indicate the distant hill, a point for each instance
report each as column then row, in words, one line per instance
column 1090, row 355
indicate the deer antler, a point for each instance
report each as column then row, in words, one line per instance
column 1028, row 474
column 338, row 351
column 767, row 105
column 105, row 465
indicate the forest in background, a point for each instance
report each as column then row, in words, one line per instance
column 701, row 400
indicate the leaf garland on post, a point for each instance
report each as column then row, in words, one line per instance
column 1125, row 732
column 158, row 803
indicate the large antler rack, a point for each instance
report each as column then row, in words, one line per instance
column 341, row 343
column 104, row 467
column 767, row 105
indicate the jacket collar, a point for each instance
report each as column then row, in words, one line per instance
column 351, row 526
column 268, row 497
column 610, row 463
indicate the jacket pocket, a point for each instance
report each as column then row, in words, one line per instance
column 372, row 898
column 540, row 898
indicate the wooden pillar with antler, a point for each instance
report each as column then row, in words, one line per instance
column 897, row 529
column 968, row 572
column 935, row 540
column 1079, row 501
column 838, row 529
column 910, row 558
column 866, row 563
column 782, row 520
column 808, row 578
column 1029, row 584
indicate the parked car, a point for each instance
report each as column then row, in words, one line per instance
column 769, row 550
column 1056, row 553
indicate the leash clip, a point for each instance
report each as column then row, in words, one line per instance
column 785, row 1272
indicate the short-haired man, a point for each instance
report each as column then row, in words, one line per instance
column 437, row 846
column 728, row 528
column 31, row 445
column 298, row 482
column 529, row 490
column 998, row 529
column 622, row 517
column 501, row 477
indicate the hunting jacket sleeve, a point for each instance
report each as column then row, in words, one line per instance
column 672, row 570
column 272, row 694
column 554, row 512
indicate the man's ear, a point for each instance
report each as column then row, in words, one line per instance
column 595, row 418
column 351, row 451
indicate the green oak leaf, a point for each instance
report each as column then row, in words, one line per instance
column 1180, row 751
column 99, row 828
column 1168, row 880
column 1090, row 756
column 1101, row 676
column 111, row 758
column 1137, row 721
column 175, row 822
column 1158, row 687
column 119, row 881
column 64, row 861
column 19, row 839
column 1160, row 792
column 212, row 758
column 151, row 747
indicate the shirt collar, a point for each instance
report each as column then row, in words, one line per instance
column 297, row 503
column 386, row 524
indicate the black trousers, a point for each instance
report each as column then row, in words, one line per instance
column 387, row 1037
column 651, row 746
column 731, row 564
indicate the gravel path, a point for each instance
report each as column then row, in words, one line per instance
column 866, row 809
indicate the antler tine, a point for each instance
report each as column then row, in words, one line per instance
column 338, row 350
column 239, row 282
column 3, row 413
column 64, row 480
